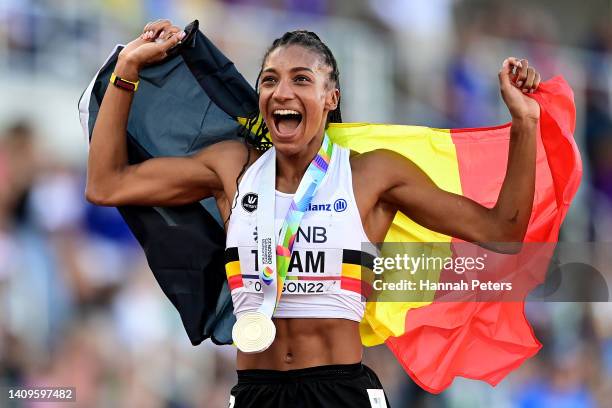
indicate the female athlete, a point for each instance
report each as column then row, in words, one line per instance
column 315, row 358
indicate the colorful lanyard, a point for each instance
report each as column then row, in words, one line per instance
column 299, row 205
column 254, row 331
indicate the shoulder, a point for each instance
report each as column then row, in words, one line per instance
column 227, row 154
column 229, row 160
column 231, row 148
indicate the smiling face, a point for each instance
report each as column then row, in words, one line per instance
column 295, row 95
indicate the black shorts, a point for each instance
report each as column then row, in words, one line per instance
column 330, row 386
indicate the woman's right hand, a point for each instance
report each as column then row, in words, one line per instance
column 152, row 46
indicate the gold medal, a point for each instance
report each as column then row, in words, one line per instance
column 253, row 332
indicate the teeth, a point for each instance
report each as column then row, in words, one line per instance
column 286, row 112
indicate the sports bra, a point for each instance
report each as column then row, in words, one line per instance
column 324, row 275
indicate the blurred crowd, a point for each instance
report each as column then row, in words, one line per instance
column 78, row 304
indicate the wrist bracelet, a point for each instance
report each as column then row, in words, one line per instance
column 123, row 83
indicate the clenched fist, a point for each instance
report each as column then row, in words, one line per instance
column 516, row 80
column 152, row 46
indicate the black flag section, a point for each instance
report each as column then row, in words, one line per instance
column 183, row 104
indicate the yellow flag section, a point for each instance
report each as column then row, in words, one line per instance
column 434, row 152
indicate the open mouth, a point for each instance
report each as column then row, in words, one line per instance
column 286, row 121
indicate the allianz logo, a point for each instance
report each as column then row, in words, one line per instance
column 338, row 206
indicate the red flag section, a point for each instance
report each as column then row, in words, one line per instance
column 487, row 340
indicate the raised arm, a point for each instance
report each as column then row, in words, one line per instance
column 160, row 181
column 411, row 191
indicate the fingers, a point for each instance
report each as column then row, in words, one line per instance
column 513, row 62
column 167, row 33
column 518, row 73
column 152, row 30
column 536, row 83
column 508, row 67
column 522, row 73
column 528, row 85
column 152, row 25
column 172, row 40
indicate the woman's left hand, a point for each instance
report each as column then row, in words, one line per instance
column 516, row 85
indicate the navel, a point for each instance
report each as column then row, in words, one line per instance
column 288, row 358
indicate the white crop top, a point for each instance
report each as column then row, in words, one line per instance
column 324, row 276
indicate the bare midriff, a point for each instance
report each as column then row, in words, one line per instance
column 303, row 343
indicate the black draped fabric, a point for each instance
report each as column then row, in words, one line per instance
column 187, row 102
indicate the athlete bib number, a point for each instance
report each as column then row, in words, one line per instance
column 311, row 271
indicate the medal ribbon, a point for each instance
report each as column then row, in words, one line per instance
column 273, row 270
